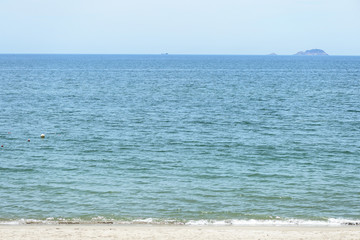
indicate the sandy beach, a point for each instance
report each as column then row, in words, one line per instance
column 68, row 232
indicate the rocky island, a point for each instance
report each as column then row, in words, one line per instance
column 312, row 52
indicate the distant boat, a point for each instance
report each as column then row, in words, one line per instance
column 165, row 53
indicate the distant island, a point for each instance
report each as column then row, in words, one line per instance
column 272, row 54
column 312, row 52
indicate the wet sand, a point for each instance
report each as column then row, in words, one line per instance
column 161, row 232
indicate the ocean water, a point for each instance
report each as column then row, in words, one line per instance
column 179, row 139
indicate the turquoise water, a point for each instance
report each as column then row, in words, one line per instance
column 184, row 139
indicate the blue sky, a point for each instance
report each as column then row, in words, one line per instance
column 179, row 27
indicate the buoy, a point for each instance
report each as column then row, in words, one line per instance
column 2, row 145
column 28, row 140
column 42, row 135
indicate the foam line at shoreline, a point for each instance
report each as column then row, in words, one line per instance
column 203, row 222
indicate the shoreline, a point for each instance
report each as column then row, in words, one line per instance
column 135, row 231
column 291, row 222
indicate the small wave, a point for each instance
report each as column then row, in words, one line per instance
column 17, row 169
column 202, row 222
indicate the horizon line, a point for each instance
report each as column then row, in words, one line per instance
column 178, row 54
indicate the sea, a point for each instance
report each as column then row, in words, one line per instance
column 180, row 139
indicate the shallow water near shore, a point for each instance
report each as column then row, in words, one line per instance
column 179, row 139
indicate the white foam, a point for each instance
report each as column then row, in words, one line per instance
column 288, row 222
column 201, row 222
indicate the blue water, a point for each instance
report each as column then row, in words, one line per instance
column 179, row 138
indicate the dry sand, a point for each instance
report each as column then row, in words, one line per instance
column 69, row 232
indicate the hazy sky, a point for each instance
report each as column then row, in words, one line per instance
column 179, row 26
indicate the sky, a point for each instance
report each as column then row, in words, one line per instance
column 179, row 26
